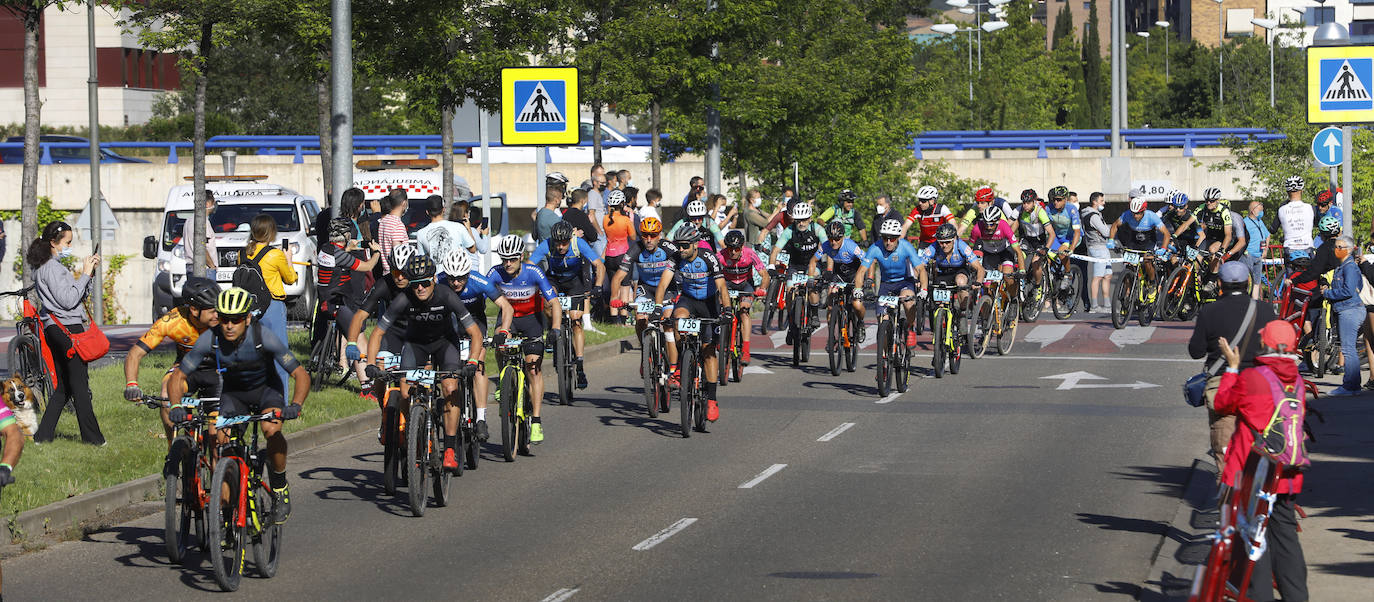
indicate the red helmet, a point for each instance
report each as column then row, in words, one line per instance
column 1324, row 197
column 983, row 194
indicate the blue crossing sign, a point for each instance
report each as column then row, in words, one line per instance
column 1327, row 146
column 539, row 106
column 1340, row 84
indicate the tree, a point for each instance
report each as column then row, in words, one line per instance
column 1063, row 28
column 1093, row 83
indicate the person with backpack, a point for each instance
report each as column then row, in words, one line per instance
column 1269, row 400
column 263, row 271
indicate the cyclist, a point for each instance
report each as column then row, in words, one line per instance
column 383, row 293
column 1035, row 231
column 566, row 264
column 844, row 262
column 335, row 265
column 1328, row 228
column 1139, row 235
column 982, row 199
column 896, row 260
column 1181, row 223
column 993, row 236
column 930, row 214
column 183, row 325
column 953, row 260
column 620, row 241
column 1295, row 219
column 696, row 213
column 645, row 269
column 528, row 291
column 739, row 264
column 703, row 295
column 474, row 290
column 845, row 213
column 246, row 355
column 1325, row 207
column 1217, row 233
column 800, row 240
column 1068, row 229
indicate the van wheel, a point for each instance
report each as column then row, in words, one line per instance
column 302, row 307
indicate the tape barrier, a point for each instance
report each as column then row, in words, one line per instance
column 1272, row 261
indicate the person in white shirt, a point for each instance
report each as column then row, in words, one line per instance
column 441, row 235
column 211, row 259
column 652, row 197
column 1295, row 219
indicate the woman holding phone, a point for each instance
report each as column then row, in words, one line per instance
column 61, row 293
column 277, row 272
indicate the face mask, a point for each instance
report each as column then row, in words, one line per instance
column 1341, row 254
column 758, row 202
column 1259, row 214
column 881, row 210
column 601, row 187
column 65, row 253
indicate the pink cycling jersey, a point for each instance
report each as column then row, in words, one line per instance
column 738, row 271
column 1003, row 232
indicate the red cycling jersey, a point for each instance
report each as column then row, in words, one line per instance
column 939, row 216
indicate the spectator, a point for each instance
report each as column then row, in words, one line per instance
column 442, row 235
column 1246, row 395
column 60, row 297
column 1095, row 231
column 695, row 187
column 576, row 215
column 461, row 213
column 632, row 206
column 624, row 176
column 652, row 198
column 548, row 215
column 1224, row 318
column 391, row 231
column 350, row 207
column 1344, row 296
column 722, row 212
column 1256, row 236
column 276, row 272
column 596, row 210
column 883, row 211
column 210, row 259
column 754, row 217
column 590, row 182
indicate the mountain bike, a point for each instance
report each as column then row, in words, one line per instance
column 845, row 326
column 732, row 341
column 691, row 396
column 894, row 358
column 513, row 397
column 995, row 314
column 247, row 505
column 1033, row 288
column 187, row 471
column 1129, row 292
column 393, row 431
column 30, row 358
column 797, row 291
column 1065, row 286
column 948, row 332
column 425, row 437
column 1245, row 512
column 775, row 303
column 653, row 358
column 323, row 365
column 1182, row 295
column 564, row 352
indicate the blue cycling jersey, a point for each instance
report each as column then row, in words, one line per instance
column 896, row 265
column 647, row 266
column 961, row 257
column 848, row 252
column 1065, row 221
column 567, row 265
column 1149, row 221
column 697, row 277
column 1332, row 211
column 526, row 290
column 477, row 290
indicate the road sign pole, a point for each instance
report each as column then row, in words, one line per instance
column 1347, row 145
column 541, row 191
column 94, row 109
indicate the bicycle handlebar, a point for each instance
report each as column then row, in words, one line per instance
column 16, row 293
column 224, row 422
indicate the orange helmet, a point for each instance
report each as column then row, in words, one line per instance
column 650, row 225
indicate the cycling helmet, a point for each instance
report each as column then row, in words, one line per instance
column 457, row 263
column 650, row 225
column 890, row 227
column 993, row 214
column 200, row 293
column 420, row 268
column 1178, row 199
column 734, row 239
column 696, row 209
column 945, row 232
column 1324, row 197
column 1137, row 205
column 1293, row 183
column 556, row 177
column 401, row 254
column 1059, row 192
column 615, row 198
column 687, row 235
column 1329, row 225
column 340, row 229
column 848, row 195
column 1211, row 194
column 984, row 194
column 927, row 193
column 1028, row 195
column 234, row 302
column 561, row 232
column 511, row 245
column 801, row 211
column 834, row 230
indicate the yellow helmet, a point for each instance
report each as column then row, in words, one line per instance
column 234, row 301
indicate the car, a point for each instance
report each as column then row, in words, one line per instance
column 9, row 154
column 636, row 152
column 420, row 179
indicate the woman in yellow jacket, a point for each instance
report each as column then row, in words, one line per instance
column 276, row 273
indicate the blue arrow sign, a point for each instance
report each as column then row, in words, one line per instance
column 1326, row 146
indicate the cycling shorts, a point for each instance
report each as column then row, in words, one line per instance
column 896, row 287
column 203, row 382
column 745, row 287
column 252, row 401
column 1006, row 256
column 573, row 286
column 613, row 263
column 699, row 308
column 1206, row 243
column 1059, row 243
column 443, row 354
column 530, row 328
column 1142, row 246
column 393, row 342
column 948, row 277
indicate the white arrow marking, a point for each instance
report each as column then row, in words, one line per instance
column 1046, row 334
column 779, row 337
column 1332, row 145
column 1071, row 381
column 870, row 336
column 1132, row 335
column 756, row 370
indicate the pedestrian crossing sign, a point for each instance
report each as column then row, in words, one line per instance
column 1340, row 84
column 539, row 106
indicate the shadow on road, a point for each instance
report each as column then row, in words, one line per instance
column 1120, row 523
column 150, row 551
column 1169, row 479
column 852, row 389
column 358, row 484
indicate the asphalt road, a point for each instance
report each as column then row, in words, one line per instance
column 990, row 484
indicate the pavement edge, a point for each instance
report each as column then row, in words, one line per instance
column 1184, row 544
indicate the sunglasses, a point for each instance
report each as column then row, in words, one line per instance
column 890, row 238
column 426, row 283
column 946, row 242
column 653, row 235
column 232, row 319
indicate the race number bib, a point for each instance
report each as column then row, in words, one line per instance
column 887, row 301
column 689, row 325
column 1131, row 258
column 797, row 280
column 566, row 302
column 993, row 276
column 644, row 306
column 464, row 348
column 941, row 295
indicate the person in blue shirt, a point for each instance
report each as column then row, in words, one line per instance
column 1141, row 227
column 953, row 261
column 1257, row 236
column 530, row 294
column 1326, row 206
column 645, row 269
column 893, row 260
column 1068, row 228
column 704, row 295
column 568, row 258
column 474, row 290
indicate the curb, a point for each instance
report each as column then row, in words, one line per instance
column 1185, row 544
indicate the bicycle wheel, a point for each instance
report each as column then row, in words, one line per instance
column 901, row 361
column 26, row 362
column 1176, row 293
column 1145, row 312
column 648, row 368
column 796, row 315
column 941, row 344
column 722, row 353
column 768, row 306
column 563, row 364
column 1321, row 348
column 687, row 358
column 266, row 541
column 956, row 353
column 226, row 538
column 507, row 392
column 392, row 452
column 1033, row 296
column 921, row 317
column 442, row 477
column 417, row 457
column 319, row 365
column 1123, row 300
column 834, row 343
column 884, row 367
column 851, row 353
column 736, row 359
column 1006, row 337
column 981, row 329
column 178, row 500
column 1066, row 298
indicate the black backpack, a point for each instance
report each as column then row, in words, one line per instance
column 248, row 276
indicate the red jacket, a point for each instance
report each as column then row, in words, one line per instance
column 1247, row 395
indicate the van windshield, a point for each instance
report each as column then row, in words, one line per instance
column 228, row 218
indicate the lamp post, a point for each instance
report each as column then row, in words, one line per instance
column 1221, row 59
column 1146, row 35
column 1269, row 25
column 950, row 29
column 976, row 9
column 1165, row 26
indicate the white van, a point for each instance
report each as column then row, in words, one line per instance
column 420, row 178
column 238, row 199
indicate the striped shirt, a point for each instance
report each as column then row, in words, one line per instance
column 393, row 233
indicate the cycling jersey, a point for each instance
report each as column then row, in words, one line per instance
column 741, row 270
column 1172, row 221
column 1064, row 221
column 1214, row 222
column 991, row 240
column 850, row 219
column 896, row 265
column 1010, row 212
column 930, row 221
column 1295, row 219
column 711, row 235
column 569, row 264
column 526, row 290
column 697, row 277
column 174, row 325
column 961, row 258
column 798, row 254
column 1139, row 234
column 334, row 267
column 246, row 364
column 1331, row 210
column 1034, row 226
column 647, row 265
column 429, row 319
column 847, row 256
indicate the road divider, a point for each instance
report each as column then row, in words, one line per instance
column 767, row 472
column 561, row 595
column 836, row 432
column 659, row 537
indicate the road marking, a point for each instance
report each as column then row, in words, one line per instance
column 836, row 433
column 561, row 595
column 1046, row 334
column 870, row 336
column 889, row 398
column 1132, row 335
column 779, row 338
column 767, row 472
column 664, row 534
column 1071, row 381
column 756, row 370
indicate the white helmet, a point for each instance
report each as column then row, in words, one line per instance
column 457, row 263
column 1211, row 194
column 801, row 211
column 1137, row 205
column 696, row 209
column 401, row 254
column 890, row 227
column 927, row 192
column 556, row 177
column 615, row 198
column 510, row 246
column 1293, row 183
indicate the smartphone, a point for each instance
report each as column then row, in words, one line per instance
column 474, row 214
column 286, row 245
column 485, row 221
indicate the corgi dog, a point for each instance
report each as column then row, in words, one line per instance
column 20, row 399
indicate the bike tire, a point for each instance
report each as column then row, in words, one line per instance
column 318, row 365
column 1146, row 313
column 941, row 348
column 1066, row 301
column 472, row 446
column 1007, row 337
column 648, row 365
column 884, row 367
column 1033, row 297
column 851, row 353
column 567, row 370
column 795, row 317
column 507, row 391
column 982, row 314
column 834, row 343
column 26, row 361
column 722, row 354
column 177, row 503
column 267, row 541
column 901, row 364
column 736, row 359
column 1176, row 293
column 417, row 458
column 686, row 392
column 1122, row 300
column 226, row 560
column 921, row 311
column 443, row 479
column 391, row 443
column 956, row 353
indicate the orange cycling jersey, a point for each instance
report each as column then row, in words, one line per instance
column 175, row 325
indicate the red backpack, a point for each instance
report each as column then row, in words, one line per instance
column 1284, row 439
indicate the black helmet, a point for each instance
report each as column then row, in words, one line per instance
column 848, row 195
column 420, row 267
column 686, row 235
column 946, row 231
column 734, row 239
column 1028, row 195
column 200, row 293
column 834, row 230
column 561, row 232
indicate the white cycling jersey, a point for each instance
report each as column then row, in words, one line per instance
column 1296, row 218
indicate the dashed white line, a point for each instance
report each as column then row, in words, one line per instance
column 767, row 472
column 664, row 534
column 836, row 433
column 561, row 595
column 889, row 398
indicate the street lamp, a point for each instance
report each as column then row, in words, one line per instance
column 950, row 29
column 1269, row 25
column 1146, row 35
column 1221, row 60
column 1165, row 25
column 968, row 7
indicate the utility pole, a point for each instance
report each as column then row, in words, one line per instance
column 93, row 102
column 713, row 122
column 341, row 122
